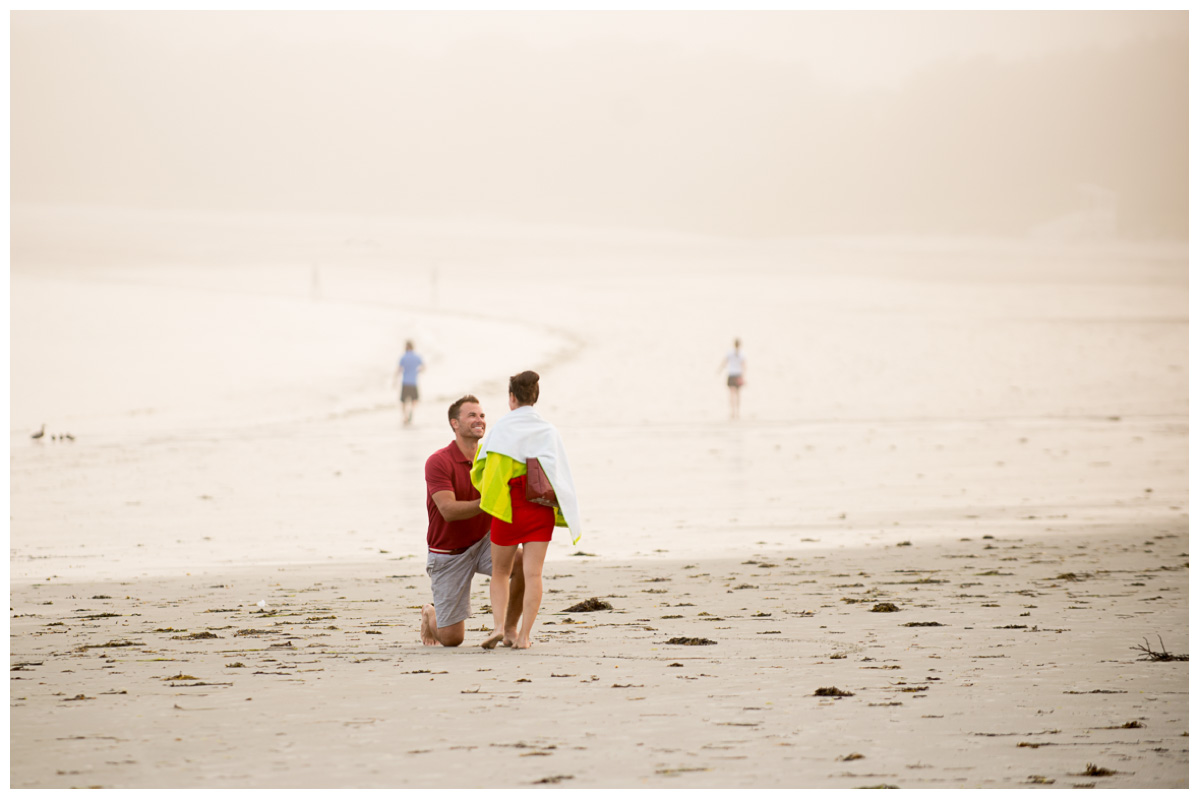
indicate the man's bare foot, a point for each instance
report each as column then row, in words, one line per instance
column 490, row 642
column 428, row 625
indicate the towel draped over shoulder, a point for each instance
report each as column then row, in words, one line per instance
column 518, row 436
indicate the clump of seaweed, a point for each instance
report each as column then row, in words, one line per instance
column 831, row 691
column 1094, row 771
column 922, row 625
column 113, row 643
column 591, row 604
column 1150, row 654
column 691, row 641
column 881, row 607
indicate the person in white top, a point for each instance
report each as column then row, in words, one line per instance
column 735, row 366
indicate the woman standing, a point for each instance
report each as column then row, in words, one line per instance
column 500, row 473
column 735, row 363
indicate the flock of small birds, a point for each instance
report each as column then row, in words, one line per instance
column 54, row 437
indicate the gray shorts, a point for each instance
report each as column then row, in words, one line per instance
column 409, row 391
column 451, row 578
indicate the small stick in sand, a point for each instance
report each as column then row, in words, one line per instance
column 1150, row 654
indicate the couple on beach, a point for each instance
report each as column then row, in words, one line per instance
column 491, row 512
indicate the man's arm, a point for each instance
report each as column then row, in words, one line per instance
column 453, row 509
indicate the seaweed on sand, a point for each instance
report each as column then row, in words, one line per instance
column 1150, row 654
column 591, row 604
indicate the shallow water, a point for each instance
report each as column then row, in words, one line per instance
column 238, row 409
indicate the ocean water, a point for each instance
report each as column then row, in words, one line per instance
column 229, row 387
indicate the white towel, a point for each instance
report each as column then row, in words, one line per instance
column 522, row 434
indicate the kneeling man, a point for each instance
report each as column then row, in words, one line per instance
column 458, row 538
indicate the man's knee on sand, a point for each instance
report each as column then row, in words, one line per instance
column 452, row 635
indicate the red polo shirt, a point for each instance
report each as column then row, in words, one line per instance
column 449, row 470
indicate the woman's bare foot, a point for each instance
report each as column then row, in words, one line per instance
column 522, row 644
column 490, row 642
column 428, row 625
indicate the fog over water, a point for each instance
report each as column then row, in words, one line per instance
column 953, row 245
column 743, row 123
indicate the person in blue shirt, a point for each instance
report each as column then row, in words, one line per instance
column 410, row 365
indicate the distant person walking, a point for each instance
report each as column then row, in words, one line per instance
column 735, row 368
column 512, row 454
column 410, row 365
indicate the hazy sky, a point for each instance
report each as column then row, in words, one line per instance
column 592, row 113
column 850, row 47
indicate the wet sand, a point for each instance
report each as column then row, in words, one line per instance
column 1009, row 661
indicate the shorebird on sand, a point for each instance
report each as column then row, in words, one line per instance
column 40, row 433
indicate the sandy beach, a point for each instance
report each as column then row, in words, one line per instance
column 955, row 506
column 1007, row 661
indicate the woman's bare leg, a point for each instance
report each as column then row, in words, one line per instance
column 516, row 599
column 502, row 564
column 533, row 559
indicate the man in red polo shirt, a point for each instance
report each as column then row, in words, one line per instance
column 459, row 544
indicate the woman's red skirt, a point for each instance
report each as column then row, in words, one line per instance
column 532, row 522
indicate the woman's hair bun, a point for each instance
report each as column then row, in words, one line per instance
column 524, row 386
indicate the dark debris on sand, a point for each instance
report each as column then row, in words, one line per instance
column 1150, row 654
column 591, row 604
column 1093, row 771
